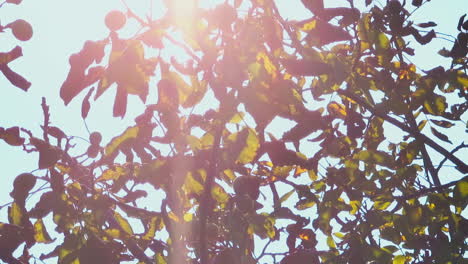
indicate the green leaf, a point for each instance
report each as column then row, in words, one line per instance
column 441, row 136
column 460, row 193
column 286, row 196
column 305, row 204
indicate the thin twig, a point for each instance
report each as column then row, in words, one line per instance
column 462, row 145
column 461, row 166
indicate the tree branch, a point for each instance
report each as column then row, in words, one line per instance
column 426, row 158
column 462, row 145
column 206, row 196
column 461, row 166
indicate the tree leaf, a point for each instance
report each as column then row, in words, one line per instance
column 40, row 233
column 442, row 123
column 286, row 196
column 400, row 259
column 85, row 105
column 14, row 78
column 11, row 136
column 123, row 223
column 116, row 142
column 441, row 136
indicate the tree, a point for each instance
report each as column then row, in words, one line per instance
column 222, row 170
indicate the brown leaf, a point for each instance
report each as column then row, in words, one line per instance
column 120, row 103
column 85, row 105
column 11, row 136
column 14, row 78
column 441, row 136
column 77, row 80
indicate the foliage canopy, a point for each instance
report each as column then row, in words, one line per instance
column 228, row 183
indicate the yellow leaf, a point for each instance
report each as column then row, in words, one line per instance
column 399, row 260
column 355, row 206
column 129, row 133
column 309, row 26
column 298, row 171
column 462, row 189
column 312, row 175
column 112, row 174
column 40, row 233
column 173, row 217
column 63, row 253
column 207, row 140
column 113, row 233
column 237, row 118
column 463, row 80
column 154, row 225
column 15, row 214
column 192, row 186
column 193, row 142
column 337, row 109
column 339, row 235
column 123, row 223
column 267, row 64
column 249, row 152
column 381, row 205
column 219, row 194
column 188, row 217
column 286, row 196
column 229, row 173
column 382, row 41
column 331, row 242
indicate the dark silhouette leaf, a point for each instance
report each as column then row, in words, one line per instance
column 12, row 136
column 441, row 136
column 427, row 24
column 460, row 22
column 85, row 105
column 14, row 78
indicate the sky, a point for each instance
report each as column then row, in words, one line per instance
column 60, row 29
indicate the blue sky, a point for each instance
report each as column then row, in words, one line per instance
column 60, row 29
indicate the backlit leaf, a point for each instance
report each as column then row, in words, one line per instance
column 123, row 223
column 399, row 259
column 249, row 152
column 40, row 233
column 192, row 186
column 331, row 242
column 129, row 133
column 15, row 214
column 154, row 225
column 286, row 196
